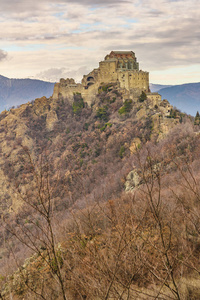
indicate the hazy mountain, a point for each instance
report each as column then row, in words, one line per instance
column 17, row 91
column 185, row 97
column 157, row 87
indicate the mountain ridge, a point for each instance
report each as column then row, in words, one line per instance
column 154, row 87
column 15, row 91
column 185, row 96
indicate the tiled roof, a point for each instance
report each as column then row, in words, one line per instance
column 123, row 52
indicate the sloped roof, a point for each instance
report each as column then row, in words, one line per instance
column 123, row 52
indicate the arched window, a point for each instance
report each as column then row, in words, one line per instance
column 90, row 83
column 90, row 78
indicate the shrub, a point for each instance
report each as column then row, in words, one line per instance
column 121, row 151
column 105, row 88
column 126, row 108
column 85, row 127
column 78, row 104
column 142, row 97
column 67, row 130
column 102, row 113
column 105, row 126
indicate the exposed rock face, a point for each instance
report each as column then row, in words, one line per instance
column 162, row 125
column 17, row 127
column 41, row 106
column 141, row 113
column 51, row 119
column 133, row 180
column 135, row 145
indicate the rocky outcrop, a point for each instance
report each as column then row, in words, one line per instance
column 51, row 119
column 133, row 180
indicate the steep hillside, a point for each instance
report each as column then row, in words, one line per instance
column 103, row 201
column 14, row 92
column 185, row 97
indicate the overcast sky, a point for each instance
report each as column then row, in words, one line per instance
column 50, row 39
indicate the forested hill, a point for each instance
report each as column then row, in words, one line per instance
column 99, row 202
column 14, row 92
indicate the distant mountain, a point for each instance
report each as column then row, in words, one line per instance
column 185, row 97
column 157, row 87
column 17, row 91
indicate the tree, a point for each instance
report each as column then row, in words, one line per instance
column 78, row 104
column 102, row 113
column 197, row 119
column 151, row 175
column 36, row 232
column 142, row 97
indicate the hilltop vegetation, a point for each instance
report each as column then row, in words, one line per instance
column 103, row 201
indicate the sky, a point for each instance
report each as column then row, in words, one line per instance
column 53, row 39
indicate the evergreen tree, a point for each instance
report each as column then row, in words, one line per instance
column 142, row 97
column 197, row 119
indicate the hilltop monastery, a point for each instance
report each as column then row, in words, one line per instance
column 119, row 67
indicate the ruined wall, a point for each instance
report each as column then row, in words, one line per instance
column 67, row 91
column 155, row 98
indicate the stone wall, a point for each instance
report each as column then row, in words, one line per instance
column 155, row 98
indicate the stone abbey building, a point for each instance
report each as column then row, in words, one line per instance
column 119, row 67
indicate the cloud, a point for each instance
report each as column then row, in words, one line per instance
column 3, row 55
column 56, row 38
column 21, row 9
column 99, row 2
column 24, row 4
column 54, row 74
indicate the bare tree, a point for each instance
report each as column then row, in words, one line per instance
column 36, row 190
